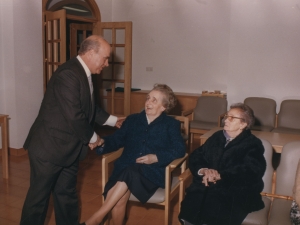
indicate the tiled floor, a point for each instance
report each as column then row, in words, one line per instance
column 13, row 192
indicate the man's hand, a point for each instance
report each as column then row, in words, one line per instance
column 120, row 121
column 98, row 142
column 147, row 159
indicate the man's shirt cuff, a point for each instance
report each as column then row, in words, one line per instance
column 111, row 121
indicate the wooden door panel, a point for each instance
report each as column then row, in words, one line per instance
column 55, row 42
column 78, row 32
column 118, row 74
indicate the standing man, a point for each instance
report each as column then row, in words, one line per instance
column 61, row 134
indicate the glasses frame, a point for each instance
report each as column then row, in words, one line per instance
column 230, row 118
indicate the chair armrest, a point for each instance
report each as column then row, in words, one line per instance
column 112, row 156
column 221, row 117
column 185, row 175
column 175, row 163
column 170, row 192
column 187, row 112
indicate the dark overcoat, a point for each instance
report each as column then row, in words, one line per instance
column 161, row 137
column 241, row 165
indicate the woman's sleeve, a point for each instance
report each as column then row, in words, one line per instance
column 198, row 159
column 117, row 139
column 251, row 168
column 177, row 145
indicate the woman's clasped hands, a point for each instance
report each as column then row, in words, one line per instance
column 210, row 175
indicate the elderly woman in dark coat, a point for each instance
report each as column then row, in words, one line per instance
column 227, row 174
column 151, row 140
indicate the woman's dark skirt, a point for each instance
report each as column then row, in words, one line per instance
column 210, row 208
column 139, row 186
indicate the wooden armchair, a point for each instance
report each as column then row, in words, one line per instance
column 162, row 196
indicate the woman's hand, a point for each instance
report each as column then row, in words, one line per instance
column 120, row 121
column 210, row 175
column 147, row 159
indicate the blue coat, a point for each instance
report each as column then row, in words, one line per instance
column 161, row 137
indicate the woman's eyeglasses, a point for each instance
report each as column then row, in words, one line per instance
column 230, row 118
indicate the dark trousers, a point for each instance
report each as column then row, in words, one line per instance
column 47, row 178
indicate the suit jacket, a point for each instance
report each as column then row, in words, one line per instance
column 64, row 125
column 161, row 137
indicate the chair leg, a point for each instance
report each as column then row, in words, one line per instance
column 167, row 214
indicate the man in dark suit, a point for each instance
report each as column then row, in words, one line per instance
column 61, row 134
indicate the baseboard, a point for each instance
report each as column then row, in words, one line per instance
column 15, row 151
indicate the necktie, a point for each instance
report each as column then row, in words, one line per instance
column 91, row 84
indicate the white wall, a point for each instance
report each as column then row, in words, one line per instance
column 264, row 49
column 105, row 7
column 245, row 48
column 21, row 60
column 186, row 42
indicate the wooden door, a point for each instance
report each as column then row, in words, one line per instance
column 114, row 85
column 78, row 32
column 55, row 42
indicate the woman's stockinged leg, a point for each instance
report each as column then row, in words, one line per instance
column 119, row 210
column 113, row 196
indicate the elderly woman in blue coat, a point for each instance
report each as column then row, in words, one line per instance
column 151, row 140
column 227, row 174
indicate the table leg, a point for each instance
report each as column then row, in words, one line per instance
column 4, row 147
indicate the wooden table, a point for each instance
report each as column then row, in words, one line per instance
column 277, row 140
column 4, row 132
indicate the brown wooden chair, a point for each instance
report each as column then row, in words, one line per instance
column 162, row 196
column 205, row 115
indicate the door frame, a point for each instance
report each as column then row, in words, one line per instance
column 96, row 21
